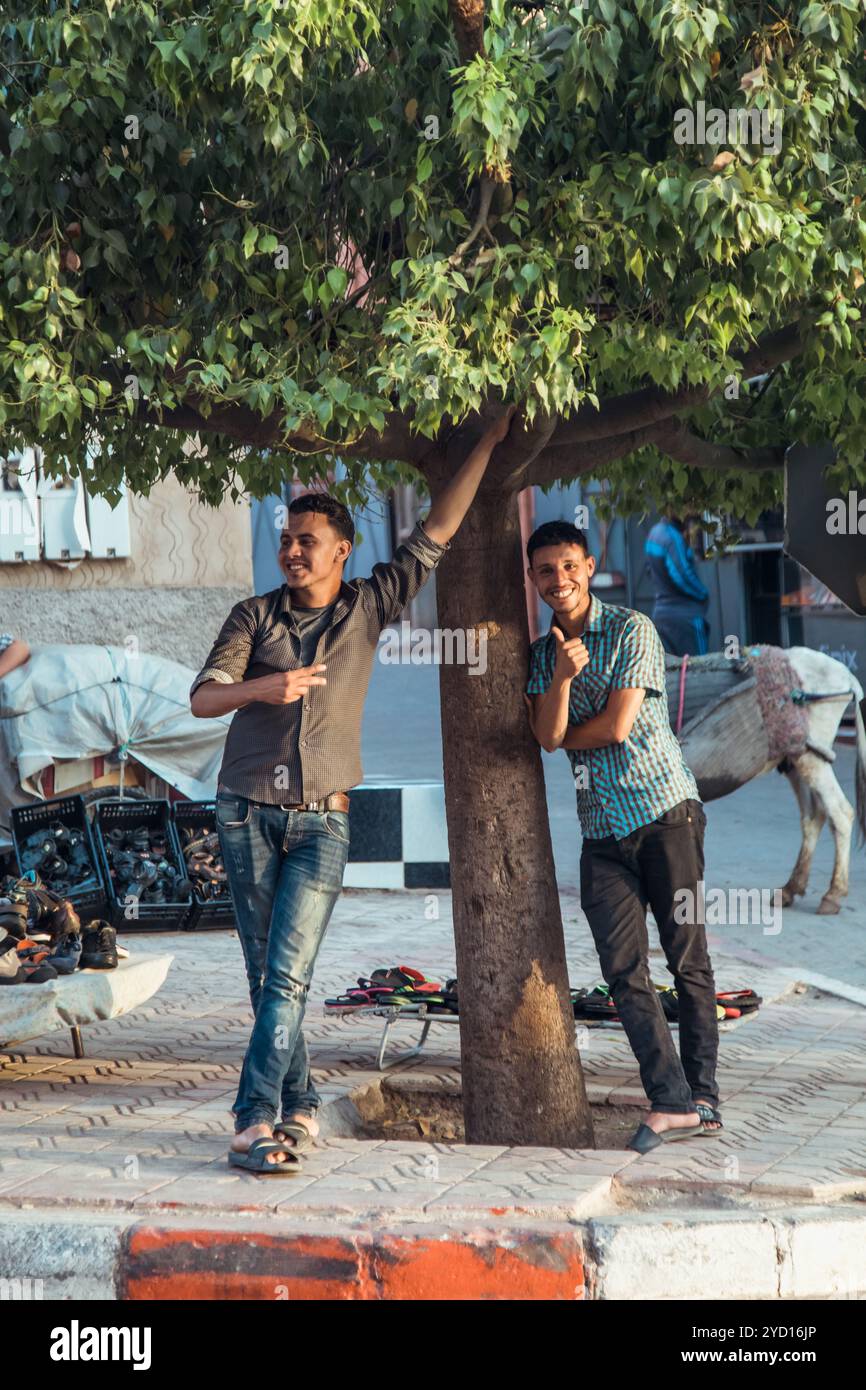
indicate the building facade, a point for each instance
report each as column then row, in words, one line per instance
column 161, row 571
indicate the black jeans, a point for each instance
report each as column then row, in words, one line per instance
column 617, row 880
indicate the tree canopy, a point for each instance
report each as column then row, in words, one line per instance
column 344, row 227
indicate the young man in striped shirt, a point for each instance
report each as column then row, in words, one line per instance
column 597, row 688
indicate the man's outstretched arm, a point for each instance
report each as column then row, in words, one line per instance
column 13, row 654
column 452, row 504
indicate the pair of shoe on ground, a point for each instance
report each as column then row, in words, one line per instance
column 294, row 1138
column 24, row 961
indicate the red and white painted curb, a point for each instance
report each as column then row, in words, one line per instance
column 791, row 1253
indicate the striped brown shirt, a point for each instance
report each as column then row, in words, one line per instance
column 303, row 751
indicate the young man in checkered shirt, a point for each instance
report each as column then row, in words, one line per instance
column 597, row 689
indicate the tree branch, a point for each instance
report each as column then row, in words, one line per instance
column 487, row 187
column 532, row 456
column 467, row 17
column 677, row 441
column 524, row 444
column 669, row 436
column 241, row 423
column 552, row 466
column 637, row 409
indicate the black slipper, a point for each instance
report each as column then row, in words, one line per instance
column 293, row 1129
column 255, row 1160
column 645, row 1139
column 710, row 1114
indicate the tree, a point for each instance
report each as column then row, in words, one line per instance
column 293, row 231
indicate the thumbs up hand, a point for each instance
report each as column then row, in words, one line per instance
column 571, row 655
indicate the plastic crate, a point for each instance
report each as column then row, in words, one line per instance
column 112, row 813
column 89, row 903
column 206, row 915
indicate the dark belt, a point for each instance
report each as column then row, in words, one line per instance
column 336, row 801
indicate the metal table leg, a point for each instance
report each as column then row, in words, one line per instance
column 404, row 1056
column 77, row 1044
column 391, row 1015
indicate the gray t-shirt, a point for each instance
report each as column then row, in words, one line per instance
column 311, row 623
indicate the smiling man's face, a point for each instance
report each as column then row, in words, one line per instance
column 311, row 550
column 561, row 574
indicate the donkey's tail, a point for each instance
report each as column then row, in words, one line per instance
column 860, row 774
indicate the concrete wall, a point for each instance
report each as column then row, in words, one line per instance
column 189, row 565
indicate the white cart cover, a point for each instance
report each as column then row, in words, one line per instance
column 84, row 701
column 87, row 996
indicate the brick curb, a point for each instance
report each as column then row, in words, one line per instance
column 791, row 1253
column 296, row 1263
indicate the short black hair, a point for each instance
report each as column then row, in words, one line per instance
column 338, row 514
column 556, row 533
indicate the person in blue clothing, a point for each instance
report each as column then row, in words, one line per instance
column 680, row 597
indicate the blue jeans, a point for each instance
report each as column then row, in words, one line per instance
column 285, row 871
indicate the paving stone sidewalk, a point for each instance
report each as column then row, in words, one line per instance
column 142, row 1123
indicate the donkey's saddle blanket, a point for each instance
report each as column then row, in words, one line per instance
column 734, row 717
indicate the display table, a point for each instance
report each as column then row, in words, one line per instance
column 393, row 1014
column 72, row 1001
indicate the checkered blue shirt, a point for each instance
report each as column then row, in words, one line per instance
column 6, row 640
column 624, row 785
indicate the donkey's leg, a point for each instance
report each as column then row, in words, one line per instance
column 840, row 814
column 812, row 817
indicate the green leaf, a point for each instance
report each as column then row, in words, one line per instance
column 337, row 279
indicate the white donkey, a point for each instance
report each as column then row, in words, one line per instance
column 811, row 774
column 723, row 749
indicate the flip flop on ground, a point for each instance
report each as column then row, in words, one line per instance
column 295, row 1133
column 710, row 1116
column 645, row 1139
column 255, row 1160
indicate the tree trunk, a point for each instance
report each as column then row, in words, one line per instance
column 522, row 1079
